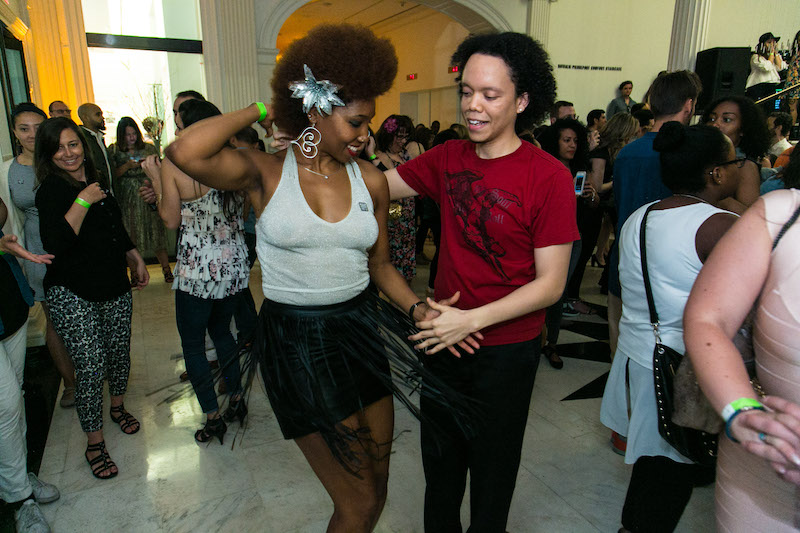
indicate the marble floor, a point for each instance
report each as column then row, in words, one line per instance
column 569, row 480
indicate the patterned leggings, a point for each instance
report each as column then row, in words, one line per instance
column 98, row 338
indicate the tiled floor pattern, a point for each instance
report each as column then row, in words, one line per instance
column 569, row 480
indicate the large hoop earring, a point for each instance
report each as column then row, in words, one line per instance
column 308, row 140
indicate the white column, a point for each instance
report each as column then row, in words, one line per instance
column 229, row 53
column 267, row 59
column 689, row 31
column 539, row 20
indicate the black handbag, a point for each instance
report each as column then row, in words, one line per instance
column 699, row 446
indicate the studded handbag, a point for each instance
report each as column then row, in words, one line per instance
column 699, row 446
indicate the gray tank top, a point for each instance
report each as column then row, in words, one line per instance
column 306, row 260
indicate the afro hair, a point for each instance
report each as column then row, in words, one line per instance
column 362, row 65
column 530, row 68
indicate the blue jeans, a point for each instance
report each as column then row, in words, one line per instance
column 194, row 315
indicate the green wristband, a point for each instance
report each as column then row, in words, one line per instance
column 373, row 157
column 82, row 202
column 263, row 109
column 2, row 252
column 737, row 405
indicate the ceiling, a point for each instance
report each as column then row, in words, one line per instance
column 367, row 12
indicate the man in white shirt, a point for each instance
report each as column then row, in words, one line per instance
column 779, row 125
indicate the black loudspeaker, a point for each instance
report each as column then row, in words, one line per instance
column 723, row 72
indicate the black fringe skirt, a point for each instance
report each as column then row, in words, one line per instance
column 321, row 364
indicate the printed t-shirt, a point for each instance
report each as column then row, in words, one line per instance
column 494, row 213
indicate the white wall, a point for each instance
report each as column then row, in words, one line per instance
column 630, row 34
column 424, row 47
column 741, row 22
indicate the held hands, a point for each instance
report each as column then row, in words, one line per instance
column 444, row 326
column 10, row 245
column 92, row 193
column 773, row 435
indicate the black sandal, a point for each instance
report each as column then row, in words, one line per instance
column 125, row 420
column 102, row 463
column 215, row 427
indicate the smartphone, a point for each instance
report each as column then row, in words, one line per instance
column 580, row 179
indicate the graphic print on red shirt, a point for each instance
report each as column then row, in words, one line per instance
column 494, row 213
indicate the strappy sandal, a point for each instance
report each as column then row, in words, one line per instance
column 102, row 464
column 214, row 428
column 125, row 420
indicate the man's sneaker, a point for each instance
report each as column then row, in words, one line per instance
column 29, row 518
column 43, row 492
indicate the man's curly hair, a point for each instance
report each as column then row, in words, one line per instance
column 530, row 69
column 362, row 65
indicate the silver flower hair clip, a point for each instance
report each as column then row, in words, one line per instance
column 319, row 94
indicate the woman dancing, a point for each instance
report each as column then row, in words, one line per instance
column 326, row 338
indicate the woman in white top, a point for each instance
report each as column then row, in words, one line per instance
column 326, row 339
column 698, row 164
column 765, row 64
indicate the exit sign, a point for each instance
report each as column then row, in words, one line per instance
column 411, row 76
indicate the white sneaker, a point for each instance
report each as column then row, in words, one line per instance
column 29, row 518
column 43, row 492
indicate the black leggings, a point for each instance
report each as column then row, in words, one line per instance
column 658, row 493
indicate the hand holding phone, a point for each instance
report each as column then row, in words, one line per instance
column 579, row 181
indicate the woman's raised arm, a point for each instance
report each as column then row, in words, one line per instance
column 200, row 153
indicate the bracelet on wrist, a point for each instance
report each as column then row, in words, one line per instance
column 2, row 252
column 734, row 409
column 83, row 203
column 263, row 110
column 742, row 403
column 373, row 157
column 414, row 308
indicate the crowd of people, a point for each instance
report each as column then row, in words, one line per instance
column 517, row 210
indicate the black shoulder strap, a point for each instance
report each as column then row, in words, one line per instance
column 786, row 227
column 651, row 304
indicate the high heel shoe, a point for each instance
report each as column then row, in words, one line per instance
column 215, row 427
column 596, row 262
column 237, row 409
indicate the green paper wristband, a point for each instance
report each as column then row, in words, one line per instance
column 263, row 109
column 373, row 157
column 83, row 203
column 737, row 405
column 2, row 252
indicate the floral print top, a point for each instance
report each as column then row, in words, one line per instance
column 212, row 254
column 793, row 75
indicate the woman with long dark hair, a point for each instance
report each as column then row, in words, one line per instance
column 86, row 285
column 18, row 191
column 143, row 224
column 211, row 274
column 567, row 141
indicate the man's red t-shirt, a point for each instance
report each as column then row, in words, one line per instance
column 494, row 213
